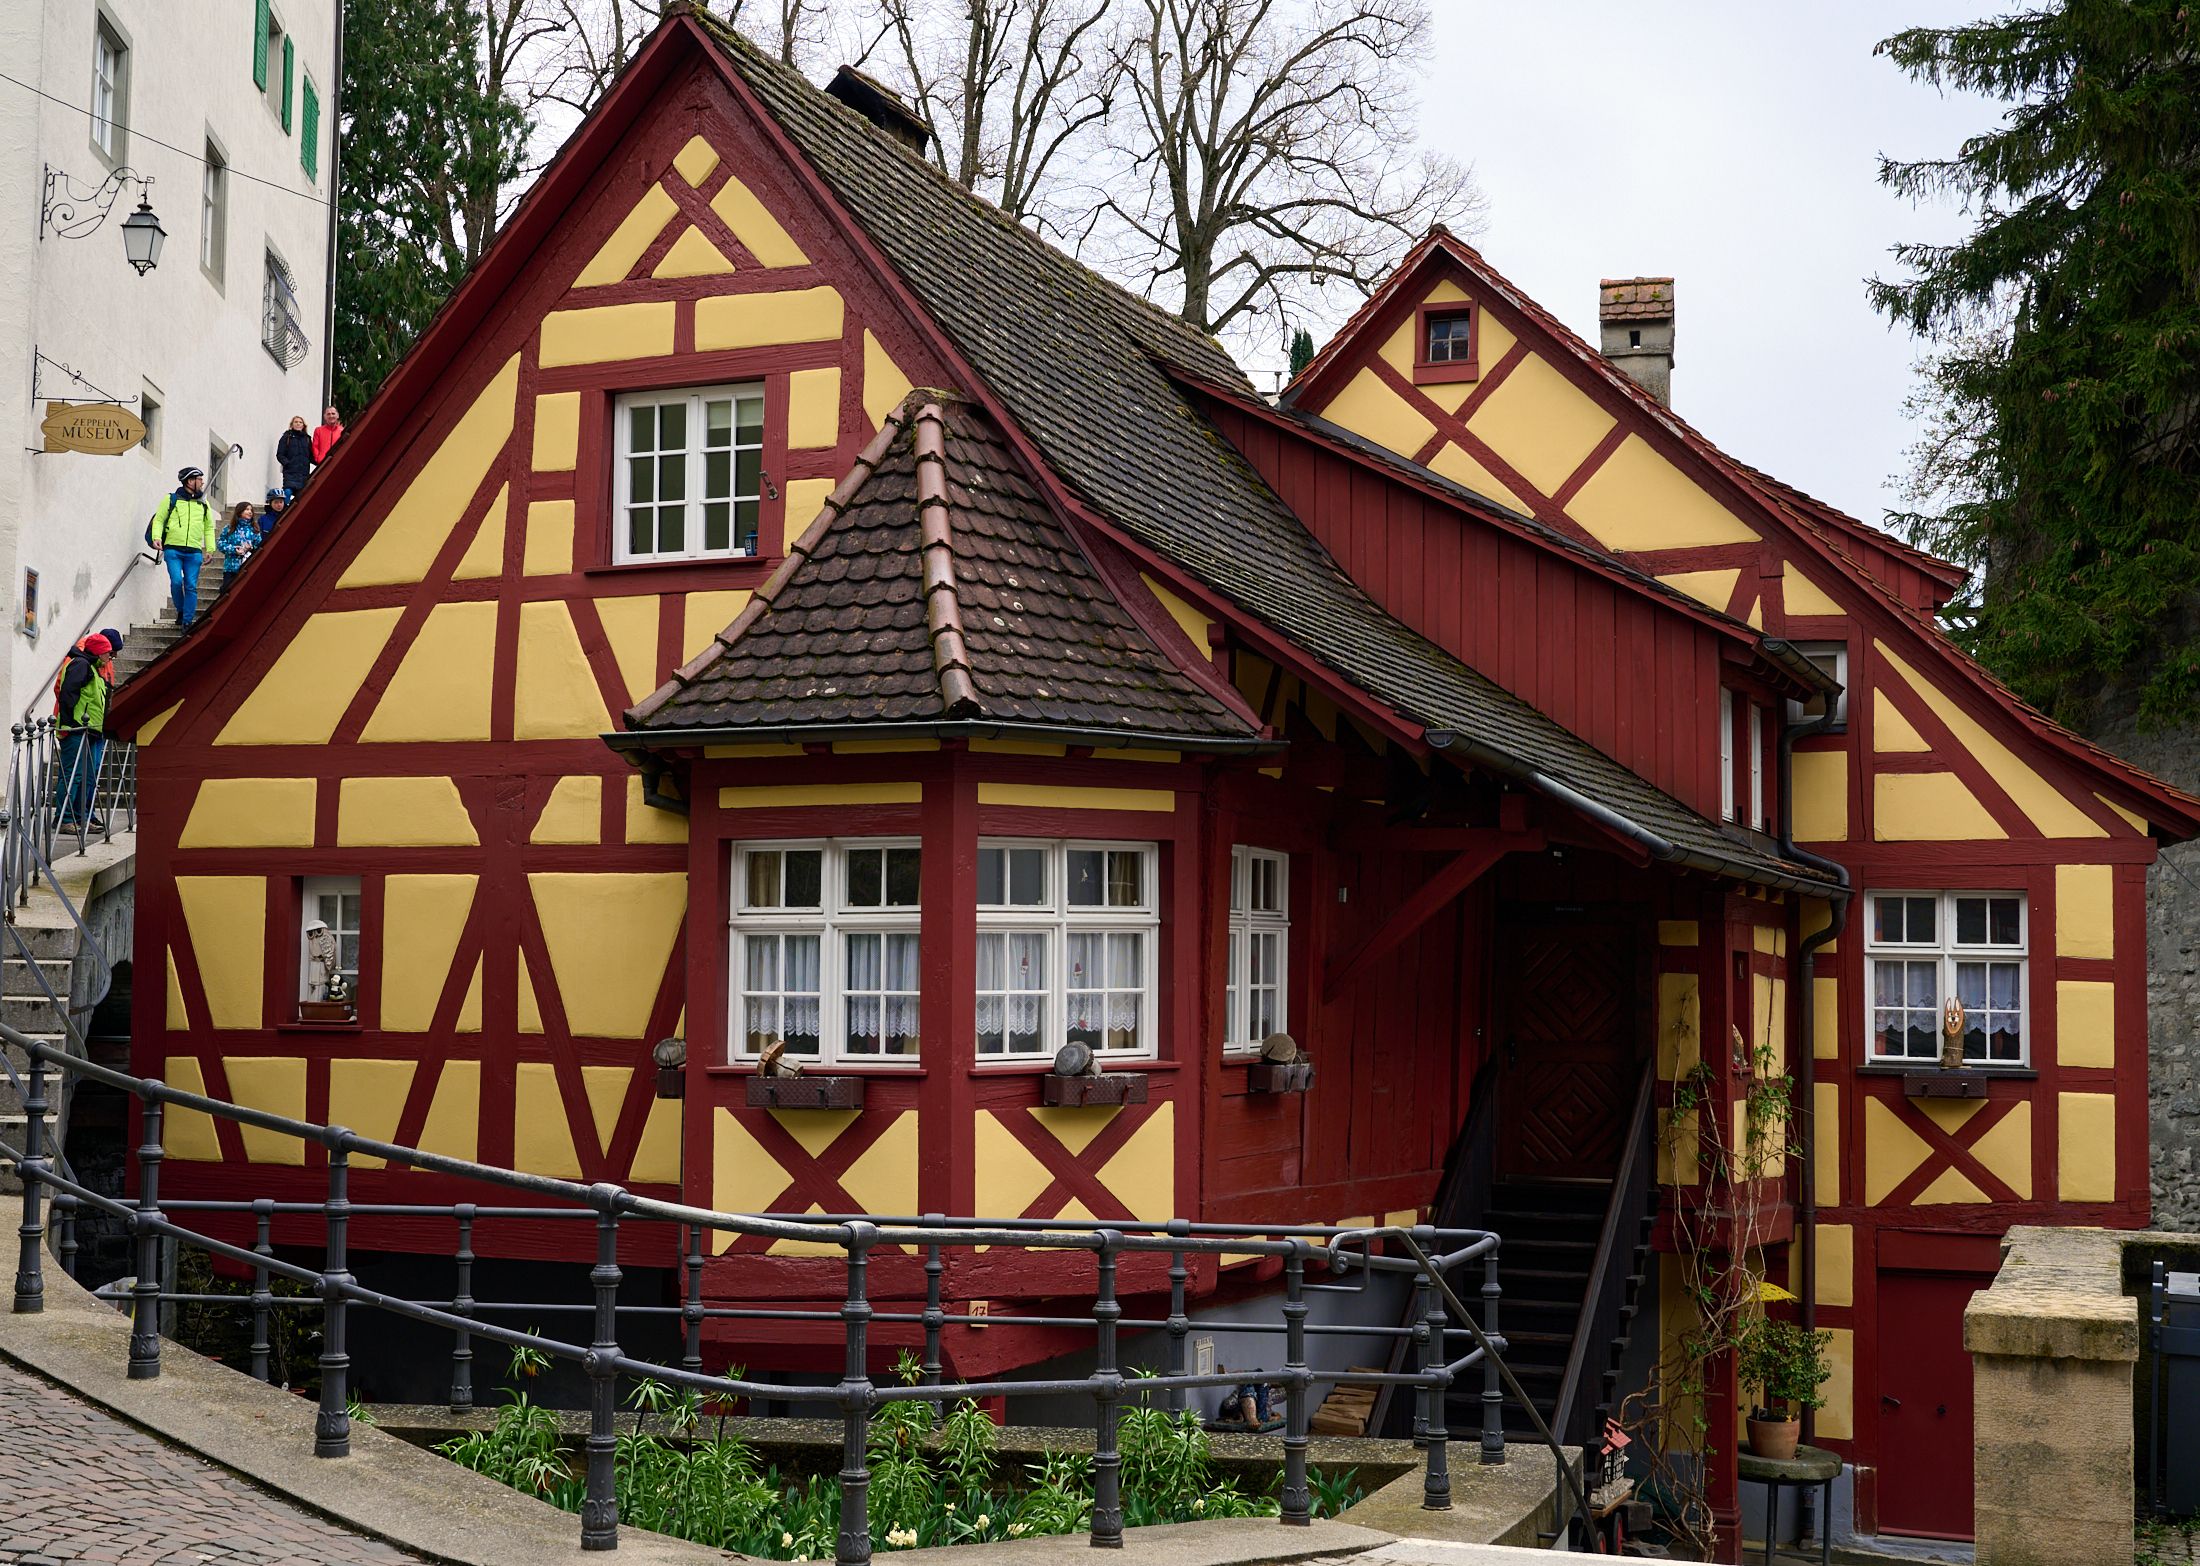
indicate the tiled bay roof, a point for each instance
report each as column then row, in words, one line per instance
column 1072, row 358
column 939, row 588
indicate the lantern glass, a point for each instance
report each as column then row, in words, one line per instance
column 142, row 237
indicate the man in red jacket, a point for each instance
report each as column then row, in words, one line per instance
column 326, row 437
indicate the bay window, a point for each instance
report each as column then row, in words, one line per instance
column 825, row 951
column 1924, row 949
column 1260, row 936
column 1065, row 948
column 688, row 474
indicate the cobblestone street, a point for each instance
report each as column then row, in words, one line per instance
column 85, row 1486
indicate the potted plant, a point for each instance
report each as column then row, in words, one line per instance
column 1785, row 1364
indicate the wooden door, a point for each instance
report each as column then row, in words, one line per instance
column 1925, row 1404
column 1566, row 1049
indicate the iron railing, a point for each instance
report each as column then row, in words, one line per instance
column 40, row 776
column 1347, row 1253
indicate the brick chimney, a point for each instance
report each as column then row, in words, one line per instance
column 1635, row 315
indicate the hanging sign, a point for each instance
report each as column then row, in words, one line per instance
column 102, row 429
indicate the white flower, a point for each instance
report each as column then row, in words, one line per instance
column 950, row 1505
column 1200, row 1504
column 786, row 1541
column 1015, row 1530
column 984, row 1521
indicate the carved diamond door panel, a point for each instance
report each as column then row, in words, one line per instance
column 1565, row 1042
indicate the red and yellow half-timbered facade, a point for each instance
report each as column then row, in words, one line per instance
column 782, row 604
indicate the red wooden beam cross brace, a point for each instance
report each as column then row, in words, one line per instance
column 1465, row 868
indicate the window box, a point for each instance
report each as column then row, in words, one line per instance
column 1266, row 1076
column 811, row 1090
column 1110, row 1087
column 1944, row 1084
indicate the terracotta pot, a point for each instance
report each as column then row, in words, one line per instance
column 1775, row 1438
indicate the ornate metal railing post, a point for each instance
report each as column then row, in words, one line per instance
column 854, row 1545
column 1436, row 1483
column 935, row 1313
column 30, row 1276
column 1298, row 1500
column 1107, row 1457
column 263, row 1298
column 1180, row 1322
column 64, row 1212
column 691, row 1306
column 600, row 1501
column 145, row 1293
column 332, row 1425
column 1419, row 1318
column 1493, row 1394
column 462, row 1304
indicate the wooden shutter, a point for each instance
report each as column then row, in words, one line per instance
column 309, row 133
column 259, row 46
column 290, row 57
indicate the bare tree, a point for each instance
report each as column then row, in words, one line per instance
column 1007, row 87
column 1271, row 149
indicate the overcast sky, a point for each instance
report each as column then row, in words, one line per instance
column 1732, row 144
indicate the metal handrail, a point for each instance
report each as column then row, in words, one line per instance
column 1600, row 1306
column 1424, row 1253
column 90, row 625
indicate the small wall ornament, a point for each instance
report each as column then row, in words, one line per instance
column 1953, row 1020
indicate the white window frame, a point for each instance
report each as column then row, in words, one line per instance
column 273, row 91
column 1757, row 766
column 1726, row 754
column 1249, row 928
column 693, row 496
column 1833, row 657
column 832, row 921
column 1058, row 921
column 311, row 890
column 214, row 212
column 110, row 90
column 1946, row 951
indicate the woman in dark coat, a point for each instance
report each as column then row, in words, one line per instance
column 294, row 455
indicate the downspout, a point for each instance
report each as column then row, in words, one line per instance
column 1806, row 1073
column 335, row 182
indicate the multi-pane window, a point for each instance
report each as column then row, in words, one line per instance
column 1757, row 767
column 1450, row 338
column 328, row 935
column 1926, row 948
column 1260, row 940
column 1833, row 657
column 825, row 950
column 1726, row 755
column 689, row 475
column 1065, row 948
column 110, row 90
column 213, row 211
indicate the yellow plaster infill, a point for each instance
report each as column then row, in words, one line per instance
column 1769, row 939
column 1951, row 1114
column 692, row 255
column 695, row 160
column 1892, row 733
column 883, row 1177
column 645, row 823
column 884, row 385
column 1800, row 595
column 1368, row 407
column 188, row 1133
column 1638, row 500
column 405, row 543
column 275, row 1085
column 804, row 1247
column 1678, row 932
column 1910, row 807
column 610, row 937
column 1715, row 588
column 453, row 1126
column 557, row 432
column 2005, row 1151
column 753, row 224
column 423, row 917
column 2138, row 823
column 404, row 812
column 604, row 333
column 1075, row 1128
column 2085, row 1023
column 439, row 692
column 484, row 557
column 1836, row 1264
column 657, row 1156
column 549, row 548
column 1949, row 1187
column 1001, row 747
column 1540, row 423
column 798, row 315
column 743, row 1177
column 572, row 814
column 1142, row 1174
column 2085, row 911
column 2085, row 1136
column 1049, row 796
column 813, row 409
column 1398, row 350
column 1456, row 464
column 1010, row 1174
column 542, row 1137
column 805, row 499
column 704, row 615
column 1837, row 1420
column 1680, row 1025
column 2042, row 803
column 1825, row 1036
column 1891, row 1150
column 1197, row 628
column 469, row 1008
column 630, row 625
column 636, row 232
column 554, row 693
column 368, row 1096
column 814, row 1130
column 1821, row 783
column 251, row 813
column 227, row 918
column 605, row 1087
column 1827, row 1142
column 150, row 730
column 782, row 796
column 301, row 699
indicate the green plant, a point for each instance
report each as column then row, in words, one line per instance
column 1785, row 1363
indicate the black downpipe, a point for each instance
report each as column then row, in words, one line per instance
column 335, row 183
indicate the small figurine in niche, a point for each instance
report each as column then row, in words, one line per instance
column 1953, row 1021
column 774, row 1062
column 325, row 982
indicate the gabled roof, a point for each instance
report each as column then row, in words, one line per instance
column 938, row 589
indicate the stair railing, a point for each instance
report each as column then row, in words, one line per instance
column 99, row 613
column 1633, row 1192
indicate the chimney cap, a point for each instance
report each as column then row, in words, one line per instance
column 881, row 105
column 1635, row 299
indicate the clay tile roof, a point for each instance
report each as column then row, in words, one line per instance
column 1635, row 299
column 939, row 588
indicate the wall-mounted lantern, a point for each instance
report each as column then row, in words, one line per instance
column 68, row 215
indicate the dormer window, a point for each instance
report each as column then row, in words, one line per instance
column 1447, row 343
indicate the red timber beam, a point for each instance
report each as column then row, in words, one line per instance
column 1479, row 850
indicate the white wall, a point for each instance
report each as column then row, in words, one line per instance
column 77, row 519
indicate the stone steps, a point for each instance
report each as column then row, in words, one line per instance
column 143, row 644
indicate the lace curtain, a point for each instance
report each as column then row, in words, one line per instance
column 882, row 1023
column 1012, row 983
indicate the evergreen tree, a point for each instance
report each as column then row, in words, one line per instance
column 2061, row 449
column 1302, row 350
column 429, row 145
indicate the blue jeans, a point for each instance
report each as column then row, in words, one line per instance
column 183, row 581
column 76, row 773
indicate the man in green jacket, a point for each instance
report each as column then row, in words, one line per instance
column 80, row 708
column 182, row 530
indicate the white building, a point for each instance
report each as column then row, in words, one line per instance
column 228, row 107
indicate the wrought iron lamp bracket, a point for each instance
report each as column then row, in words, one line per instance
column 72, row 213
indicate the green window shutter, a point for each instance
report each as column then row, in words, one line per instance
column 259, row 46
column 309, row 133
column 290, row 57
